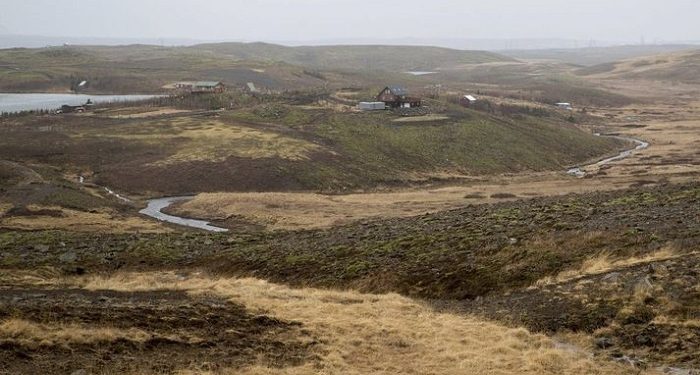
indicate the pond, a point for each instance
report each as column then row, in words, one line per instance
column 34, row 102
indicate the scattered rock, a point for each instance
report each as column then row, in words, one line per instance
column 679, row 371
column 68, row 257
column 604, row 342
column 643, row 340
column 41, row 248
column 612, row 277
column 634, row 362
column 658, row 269
column 643, row 285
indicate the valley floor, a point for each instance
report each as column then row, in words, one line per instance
column 533, row 273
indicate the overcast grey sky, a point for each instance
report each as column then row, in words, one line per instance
column 289, row 20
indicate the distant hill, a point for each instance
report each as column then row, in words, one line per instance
column 137, row 69
column 596, row 55
column 368, row 57
column 145, row 68
column 674, row 67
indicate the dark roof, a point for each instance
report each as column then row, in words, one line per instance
column 397, row 90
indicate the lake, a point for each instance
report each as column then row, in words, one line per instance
column 34, row 102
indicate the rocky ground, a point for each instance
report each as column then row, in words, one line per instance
column 526, row 263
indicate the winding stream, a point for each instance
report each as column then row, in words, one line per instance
column 155, row 207
column 641, row 145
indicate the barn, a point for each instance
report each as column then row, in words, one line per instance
column 398, row 97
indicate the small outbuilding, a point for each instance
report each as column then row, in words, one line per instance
column 251, row 88
column 467, row 101
column 566, row 106
column 398, row 97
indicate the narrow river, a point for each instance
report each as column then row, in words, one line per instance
column 156, row 206
column 641, row 145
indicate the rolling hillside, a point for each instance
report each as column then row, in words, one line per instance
column 591, row 56
column 278, row 147
column 368, row 57
column 674, row 67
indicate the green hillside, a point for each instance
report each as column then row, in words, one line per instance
column 278, row 147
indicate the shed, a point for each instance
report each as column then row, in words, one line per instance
column 467, row 100
column 251, row 88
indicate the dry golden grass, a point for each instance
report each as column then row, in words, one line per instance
column 421, row 118
column 312, row 210
column 4, row 207
column 38, row 277
column 605, row 262
column 80, row 221
column 33, row 335
column 216, row 141
column 211, row 140
column 380, row 334
column 665, row 320
column 307, row 210
column 142, row 112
